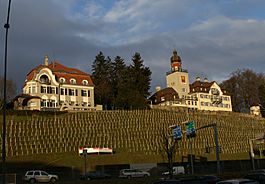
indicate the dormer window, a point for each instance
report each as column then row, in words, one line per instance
column 215, row 91
column 85, row 82
column 62, row 80
column 72, row 81
column 44, row 79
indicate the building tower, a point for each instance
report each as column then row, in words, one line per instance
column 178, row 78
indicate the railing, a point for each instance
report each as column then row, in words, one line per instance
column 216, row 99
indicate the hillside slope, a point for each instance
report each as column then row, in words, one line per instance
column 136, row 133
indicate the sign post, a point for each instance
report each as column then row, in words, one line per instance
column 85, row 155
column 177, row 133
column 190, row 132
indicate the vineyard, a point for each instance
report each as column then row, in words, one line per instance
column 129, row 133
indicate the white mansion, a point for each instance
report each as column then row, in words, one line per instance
column 201, row 95
column 52, row 86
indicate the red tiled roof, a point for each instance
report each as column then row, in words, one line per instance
column 60, row 70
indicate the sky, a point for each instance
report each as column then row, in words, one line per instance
column 213, row 37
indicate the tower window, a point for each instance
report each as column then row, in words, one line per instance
column 183, row 79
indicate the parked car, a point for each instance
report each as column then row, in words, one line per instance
column 210, row 179
column 176, row 170
column 258, row 171
column 238, row 181
column 260, row 177
column 94, row 175
column 133, row 173
column 39, row 176
column 167, row 181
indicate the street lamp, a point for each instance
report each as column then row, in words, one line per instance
column 6, row 26
column 252, row 155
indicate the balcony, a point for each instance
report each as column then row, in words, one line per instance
column 216, row 99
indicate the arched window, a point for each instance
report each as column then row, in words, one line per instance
column 72, row 81
column 62, row 80
column 85, row 82
column 44, row 78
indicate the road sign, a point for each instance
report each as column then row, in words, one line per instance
column 190, row 129
column 177, row 133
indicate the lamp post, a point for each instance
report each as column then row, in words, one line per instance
column 217, row 148
column 252, row 155
column 6, row 26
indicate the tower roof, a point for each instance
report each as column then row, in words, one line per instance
column 175, row 57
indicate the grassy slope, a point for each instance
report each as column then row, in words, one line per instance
column 123, row 130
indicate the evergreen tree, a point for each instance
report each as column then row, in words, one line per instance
column 101, row 74
column 140, row 80
column 118, row 81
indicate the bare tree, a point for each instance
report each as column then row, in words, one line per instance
column 169, row 146
column 10, row 91
column 244, row 86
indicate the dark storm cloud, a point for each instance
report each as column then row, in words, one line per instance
column 211, row 43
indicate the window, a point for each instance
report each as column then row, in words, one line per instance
column 183, row 89
column 62, row 91
column 44, row 173
column 72, row 81
column 33, row 89
column 84, row 82
column 44, row 79
column 62, row 80
column 53, row 90
column 44, row 103
column 43, row 89
column 53, row 104
column 83, row 92
column 30, row 173
column 71, row 92
column 88, row 93
column 183, row 79
column 37, row 173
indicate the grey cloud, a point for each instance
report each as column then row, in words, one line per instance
column 44, row 28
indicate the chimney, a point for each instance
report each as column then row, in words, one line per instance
column 46, row 60
column 205, row 80
column 198, row 79
column 158, row 88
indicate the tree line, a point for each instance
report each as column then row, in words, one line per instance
column 246, row 88
column 118, row 86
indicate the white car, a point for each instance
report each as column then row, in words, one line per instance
column 133, row 173
column 176, row 170
column 38, row 176
column 238, row 181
